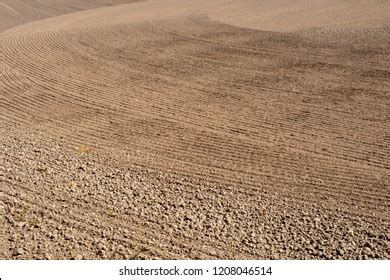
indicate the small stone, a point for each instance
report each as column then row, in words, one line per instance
column 20, row 224
column 18, row 252
column 42, row 168
column 52, row 235
column 101, row 246
column 310, row 248
column 68, row 237
column 101, row 253
column 82, row 167
column 13, row 238
column 369, row 245
column 367, row 251
column 78, row 257
column 305, row 213
column 189, row 217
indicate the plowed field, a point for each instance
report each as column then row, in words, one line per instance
column 195, row 129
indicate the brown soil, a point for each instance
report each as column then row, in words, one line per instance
column 194, row 129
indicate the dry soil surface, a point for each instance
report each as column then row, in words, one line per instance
column 194, row 129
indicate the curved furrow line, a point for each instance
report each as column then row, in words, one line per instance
column 255, row 186
column 241, row 149
column 211, row 179
column 20, row 106
column 170, row 151
column 279, row 184
column 11, row 80
column 201, row 155
column 165, row 30
column 318, row 188
column 14, row 119
column 169, row 155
